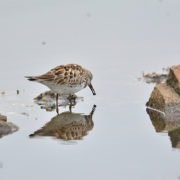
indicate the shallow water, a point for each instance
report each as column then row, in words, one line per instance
column 116, row 40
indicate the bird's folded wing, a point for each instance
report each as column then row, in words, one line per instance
column 71, row 74
column 45, row 77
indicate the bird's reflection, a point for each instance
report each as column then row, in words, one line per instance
column 67, row 126
column 47, row 101
column 169, row 123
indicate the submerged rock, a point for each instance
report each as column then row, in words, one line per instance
column 3, row 118
column 67, row 126
column 6, row 127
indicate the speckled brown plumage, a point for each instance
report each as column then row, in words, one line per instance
column 70, row 75
column 63, row 74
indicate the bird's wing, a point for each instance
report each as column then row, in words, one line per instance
column 45, row 77
column 71, row 74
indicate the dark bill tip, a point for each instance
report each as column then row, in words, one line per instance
column 92, row 89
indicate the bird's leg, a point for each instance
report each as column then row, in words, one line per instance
column 57, row 109
column 70, row 107
column 73, row 97
column 70, row 104
column 72, row 100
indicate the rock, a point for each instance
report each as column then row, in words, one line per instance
column 7, row 128
column 164, row 98
column 3, row 118
column 163, row 106
column 174, row 78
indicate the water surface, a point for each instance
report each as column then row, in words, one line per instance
column 116, row 40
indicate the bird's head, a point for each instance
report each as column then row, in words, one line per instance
column 89, row 77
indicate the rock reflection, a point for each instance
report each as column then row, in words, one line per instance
column 6, row 127
column 67, row 126
column 47, row 101
column 166, row 123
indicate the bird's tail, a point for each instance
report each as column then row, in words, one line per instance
column 31, row 135
column 31, row 78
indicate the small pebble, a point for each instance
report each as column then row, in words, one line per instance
column 25, row 114
column 17, row 91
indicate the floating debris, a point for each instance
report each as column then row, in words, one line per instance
column 22, row 105
column 43, row 43
column 25, row 114
column 14, row 104
column 153, row 77
column 166, row 69
column 3, row 92
column 30, row 105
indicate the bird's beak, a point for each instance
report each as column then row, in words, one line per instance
column 92, row 89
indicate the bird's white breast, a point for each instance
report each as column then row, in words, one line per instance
column 64, row 89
